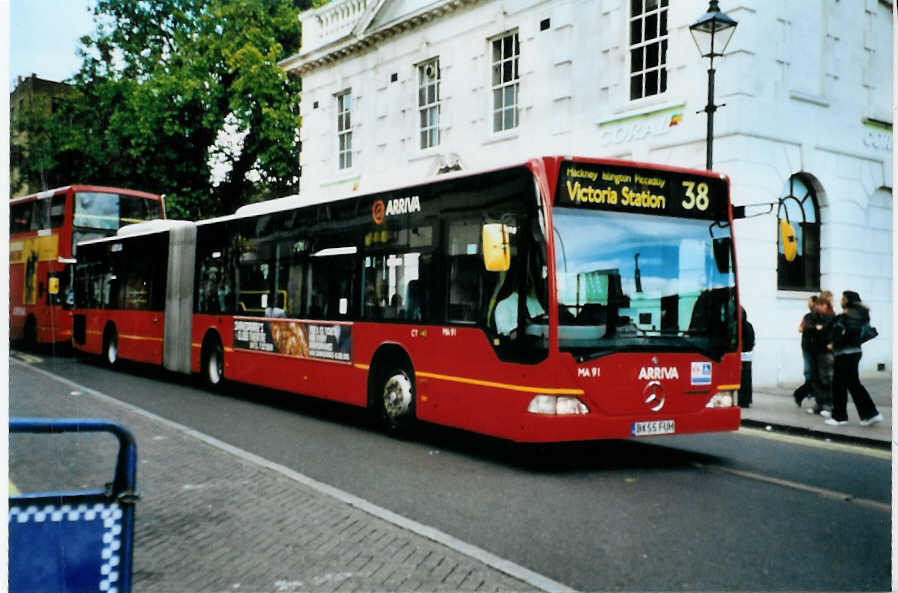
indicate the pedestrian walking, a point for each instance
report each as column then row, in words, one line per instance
column 849, row 329
column 818, row 332
column 805, row 389
column 748, row 344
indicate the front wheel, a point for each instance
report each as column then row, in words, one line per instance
column 396, row 400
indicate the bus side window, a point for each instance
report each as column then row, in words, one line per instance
column 20, row 217
column 395, row 286
column 464, row 263
column 142, row 282
column 41, row 217
column 57, row 211
column 472, row 289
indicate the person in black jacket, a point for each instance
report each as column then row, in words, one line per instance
column 818, row 335
column 846, row 346
column 807, row 355
column 748, row 344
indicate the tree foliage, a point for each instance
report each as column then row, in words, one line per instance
column 165, row 87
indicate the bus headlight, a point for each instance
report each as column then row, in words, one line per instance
column 556, row 406
column 723, row 399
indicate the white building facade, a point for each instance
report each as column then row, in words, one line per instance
column 398, row 91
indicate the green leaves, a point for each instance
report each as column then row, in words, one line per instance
column 158, row 83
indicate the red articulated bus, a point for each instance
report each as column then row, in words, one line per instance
column 43, row 231
column 561, row 299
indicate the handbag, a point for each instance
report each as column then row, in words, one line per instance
column 868, row 332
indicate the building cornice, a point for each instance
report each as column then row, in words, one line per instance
column 356, row 42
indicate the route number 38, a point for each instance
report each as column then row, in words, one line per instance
column 696, row 195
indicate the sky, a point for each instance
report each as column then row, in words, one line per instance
column 44, row 36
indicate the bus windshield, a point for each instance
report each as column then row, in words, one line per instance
column 99, row 214
column 630, row 282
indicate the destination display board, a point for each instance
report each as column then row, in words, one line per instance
column 319, row 341
column 641, row 191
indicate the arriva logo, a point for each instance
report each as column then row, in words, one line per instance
column 404, row 205
column 657, row 373
column 395, row 206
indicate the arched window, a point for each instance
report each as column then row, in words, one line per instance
column 798, row 206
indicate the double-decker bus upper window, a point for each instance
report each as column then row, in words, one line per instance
column 20, row 217
column 41, row 217
column 634, row 282
column 57, row 211
column 135, row 209
column 96, row 210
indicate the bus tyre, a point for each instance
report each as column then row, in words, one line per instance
column 395, row 400
column 213, row 363
column 29, row 337
column 110, row 347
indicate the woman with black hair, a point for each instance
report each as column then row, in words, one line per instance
column 846, row 346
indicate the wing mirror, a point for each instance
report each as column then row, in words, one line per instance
column 496, row 248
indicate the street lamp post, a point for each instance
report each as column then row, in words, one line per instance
column 712, row 33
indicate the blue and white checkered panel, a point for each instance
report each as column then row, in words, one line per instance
column 103, row 521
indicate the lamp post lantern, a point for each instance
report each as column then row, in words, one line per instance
column 712, row 33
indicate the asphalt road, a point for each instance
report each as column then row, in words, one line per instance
column 736, row 512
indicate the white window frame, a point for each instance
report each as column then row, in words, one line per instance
column 344, row 129
column 653, row 12
column 503, row 82
column 429, row 103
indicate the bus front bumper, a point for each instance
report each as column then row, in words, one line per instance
column 536, row 428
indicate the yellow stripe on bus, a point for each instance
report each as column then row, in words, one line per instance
column 130, row 337
column 525, row 388
column 528, row 389
column 728, row 387
column 197, row 345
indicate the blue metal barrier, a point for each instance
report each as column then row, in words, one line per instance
column 76, row 541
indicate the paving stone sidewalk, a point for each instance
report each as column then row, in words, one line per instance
column 209, row 520
column 775, row 406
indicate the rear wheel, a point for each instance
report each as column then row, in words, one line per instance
column 395, row 399
column 29, row 336
column 213, row 363
column 110, row 347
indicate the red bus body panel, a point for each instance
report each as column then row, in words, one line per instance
column 338, row 381
column 139, row 333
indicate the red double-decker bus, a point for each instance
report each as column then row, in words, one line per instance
column 44, row 229
column 561, row 299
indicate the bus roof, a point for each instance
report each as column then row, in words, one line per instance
column 295, row 201
column 268, row 206
column 142, row 228
column 152, row 226
column 86, row 188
